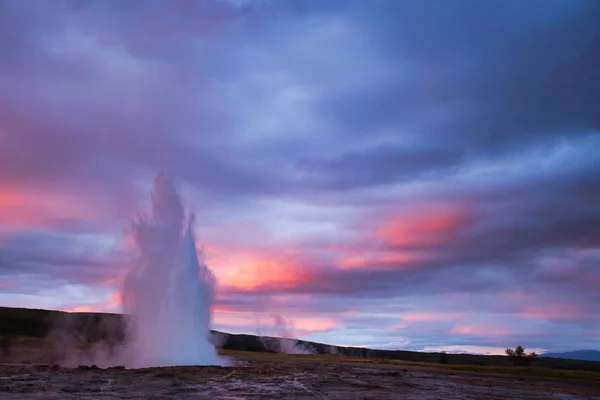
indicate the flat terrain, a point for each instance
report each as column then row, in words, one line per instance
column 276, row 376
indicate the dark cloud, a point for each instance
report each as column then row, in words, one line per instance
column 381, row 164
column 312, row 125
column 504, row 73
column 67, row 258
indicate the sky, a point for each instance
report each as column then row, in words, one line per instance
column 419, row 175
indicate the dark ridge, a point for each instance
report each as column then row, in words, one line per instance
column 584, row 355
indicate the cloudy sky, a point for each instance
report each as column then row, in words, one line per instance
column 398, row 174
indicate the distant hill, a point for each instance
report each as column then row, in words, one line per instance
column 584, row 355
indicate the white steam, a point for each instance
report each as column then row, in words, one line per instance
column 285, row 340
column 169, row 293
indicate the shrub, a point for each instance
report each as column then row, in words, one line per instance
column 443, row 357
column 519, row 357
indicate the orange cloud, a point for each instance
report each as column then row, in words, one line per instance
column 111, row 304
column 83, row 309
column 248, row 270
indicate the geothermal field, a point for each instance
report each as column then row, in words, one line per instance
column 277, row 376
column 299, row 199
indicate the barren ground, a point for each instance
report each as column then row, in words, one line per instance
column 272, row 376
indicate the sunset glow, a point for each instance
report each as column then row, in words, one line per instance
column 420, row 227
column 370, row 172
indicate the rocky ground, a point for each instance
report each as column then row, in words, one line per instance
column 265, row 376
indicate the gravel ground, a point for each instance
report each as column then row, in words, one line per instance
column 259, row 376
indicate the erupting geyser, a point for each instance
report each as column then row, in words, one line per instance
column 168, row 294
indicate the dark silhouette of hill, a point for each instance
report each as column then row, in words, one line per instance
column 584, row 355
column 93, row 327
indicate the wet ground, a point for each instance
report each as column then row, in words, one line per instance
column 264, row 376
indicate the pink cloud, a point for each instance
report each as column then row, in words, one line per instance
column 8, row 284
column 250, row 270
column 557, row 312
column 360, row 259
column 480, row 330
column 304, row 325
column 33, row 209
column 421, row 225
column 432, row 316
